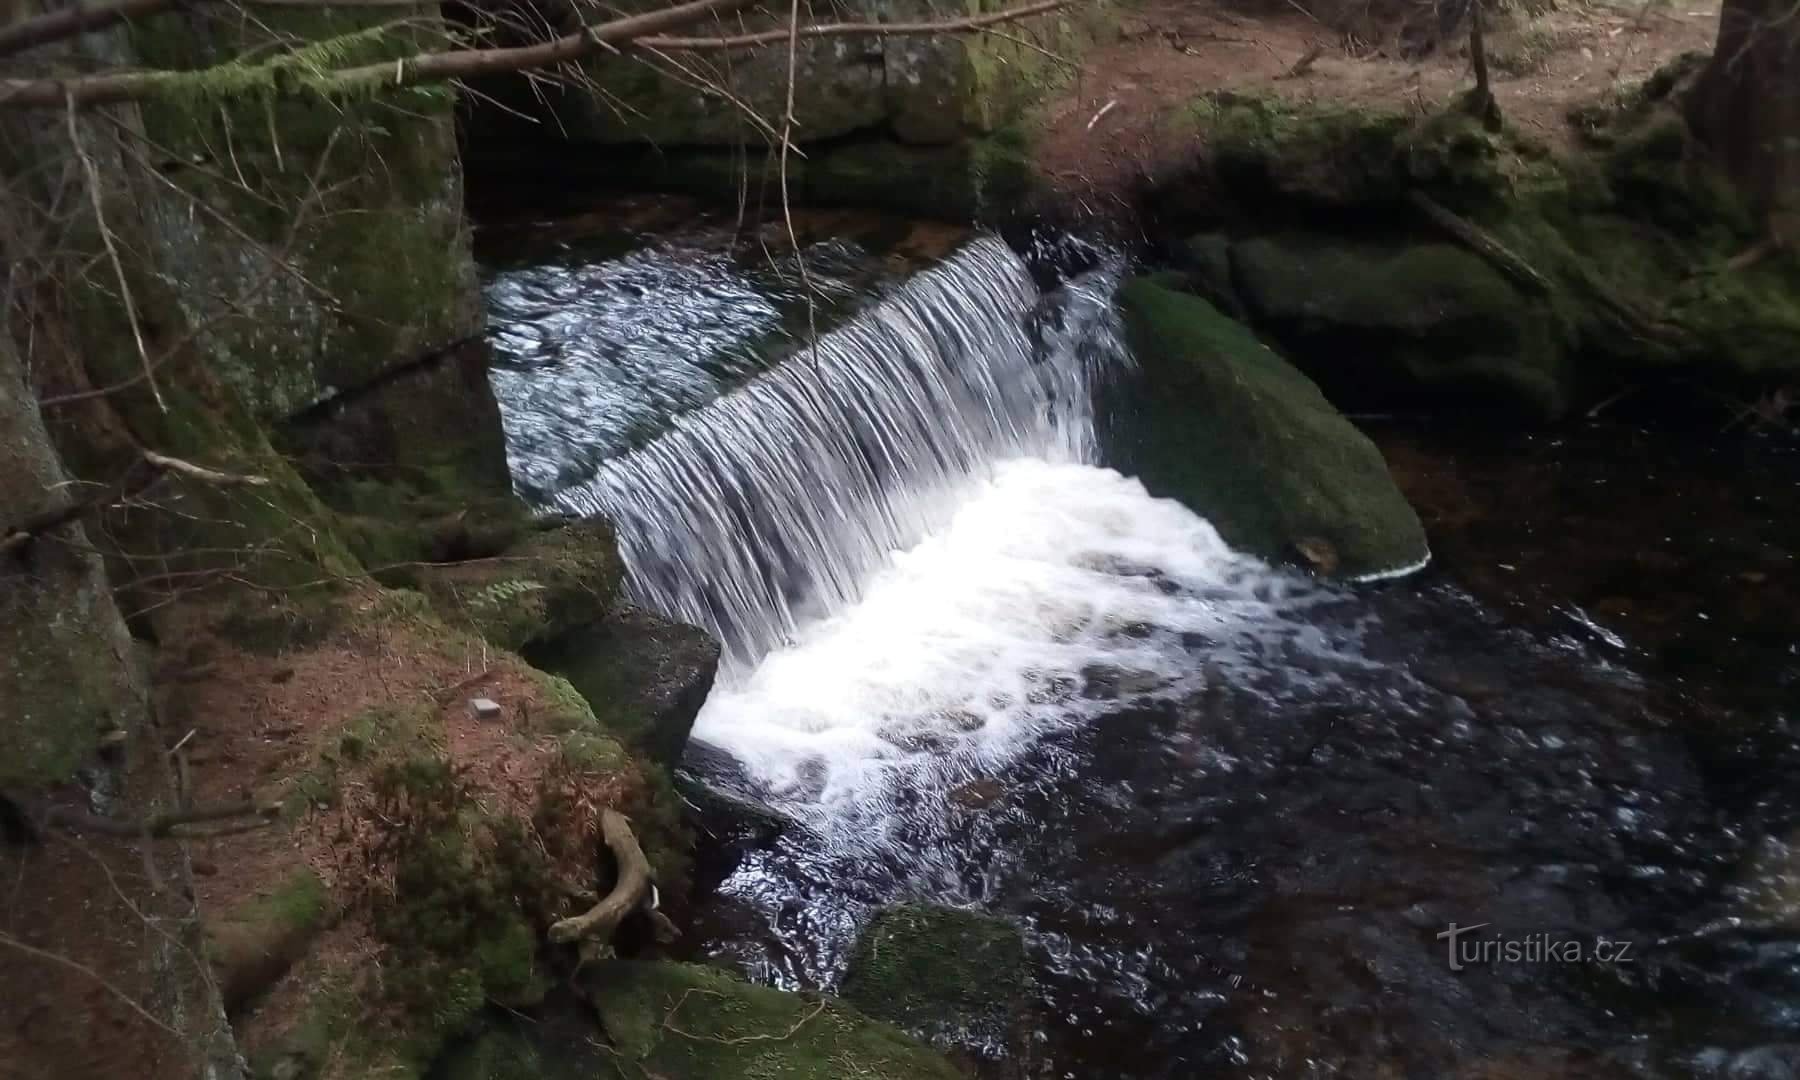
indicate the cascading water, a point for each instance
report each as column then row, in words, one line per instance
column 1230, row 810
column 774, row 504
column 904, row 540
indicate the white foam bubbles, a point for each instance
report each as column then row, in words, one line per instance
column 1055, row 592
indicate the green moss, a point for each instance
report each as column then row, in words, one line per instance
column 1266, row 150
column 546, row 584
column 1247, row 441
column 645, row 677
column 955, row 977
column 684, row 1022
column 1392, row 320
column 454, row 925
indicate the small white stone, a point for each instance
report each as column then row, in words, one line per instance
column 484, row 708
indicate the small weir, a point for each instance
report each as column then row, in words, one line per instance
column 776, row 502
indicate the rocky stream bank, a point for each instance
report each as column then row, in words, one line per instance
column 436, row 700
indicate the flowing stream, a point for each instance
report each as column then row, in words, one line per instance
column 1232, row 809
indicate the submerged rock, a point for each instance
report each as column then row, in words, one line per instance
column 645, row 676
column 688, row 1022
column 1235, row 432
column 954, row 977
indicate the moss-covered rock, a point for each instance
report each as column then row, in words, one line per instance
column 1268, row 151
column 332, row 255
column 1381, row 322
column 645, row 676
column 1563, row 280
column 686, row 1022
column 560, row 1043
column 955, row 978
column 1235, row 432
column 67, row 673
column 542, row 587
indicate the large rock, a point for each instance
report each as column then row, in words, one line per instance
column 646, row 677
column 536, row 590
column 1235, row 432
column 328, row 271
column 687, row 1022
column 955, row 978
column 66, row 667
column 1377, row 323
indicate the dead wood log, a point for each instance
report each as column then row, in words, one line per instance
column 1481, row 243
column 630, row 893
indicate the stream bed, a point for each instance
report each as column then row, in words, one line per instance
column 1238, row 814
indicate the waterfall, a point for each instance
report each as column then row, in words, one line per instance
column 775, row 503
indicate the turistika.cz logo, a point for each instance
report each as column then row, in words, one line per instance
column 1542, row 947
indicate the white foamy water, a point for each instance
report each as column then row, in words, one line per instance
column 1056, row 591
column 774, row 504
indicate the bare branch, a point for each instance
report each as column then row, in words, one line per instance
column 132, row 482
column 646, row 31
column 157, row 825
column 970, row 25
column 202, row 473
column 419, row 69
column 31, row 950
column 112, row 255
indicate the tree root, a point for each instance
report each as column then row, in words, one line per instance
column 631, row 892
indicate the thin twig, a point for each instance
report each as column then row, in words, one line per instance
column 112, row 254
column 31, row 950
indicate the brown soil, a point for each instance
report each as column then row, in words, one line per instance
column 74, row 988
column 254, row 696
column 1117, row 121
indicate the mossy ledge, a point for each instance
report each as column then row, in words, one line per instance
column 1405, row 260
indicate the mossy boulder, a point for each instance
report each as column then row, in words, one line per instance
column 67, row 672
column 555, row 1043
column 1237, row 433
column 687, row 1022
column 327, row 270
column 1322, row 156
column 1377, row 323
column 646, row 677
column 955, row 978
column 541, row 587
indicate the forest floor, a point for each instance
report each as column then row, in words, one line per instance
column 1115, row 122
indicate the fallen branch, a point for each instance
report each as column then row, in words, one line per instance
column 972, row 24
column 82, row 19
column 386, row 75
column 645, row 31
column 1481, row 242
column 1633, row 319
column 1305, row 63
column 156, row 825
column 627, row 895
column 202, row 473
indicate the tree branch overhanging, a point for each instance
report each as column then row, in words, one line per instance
column 648, row 31
column 364, row 79
column 971, row 25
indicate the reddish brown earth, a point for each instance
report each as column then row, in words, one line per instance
column 1118, row 120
